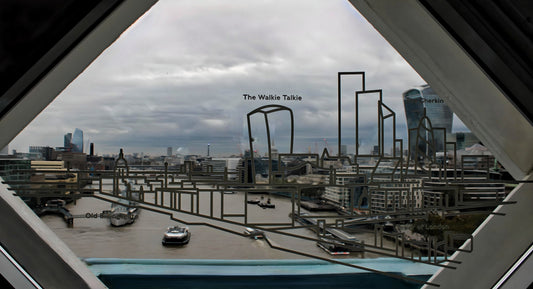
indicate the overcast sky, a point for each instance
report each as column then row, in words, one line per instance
column 177, row 78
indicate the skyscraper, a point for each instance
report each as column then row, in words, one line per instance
column 67, row 141
column 417, row 99
column 77, row 141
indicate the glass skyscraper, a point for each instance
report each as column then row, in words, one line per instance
column 417, row 99
column 67, row 141
column 77, row 141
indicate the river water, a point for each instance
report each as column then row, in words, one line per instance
column 95, row 237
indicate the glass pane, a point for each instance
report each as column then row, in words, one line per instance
column 224, row 118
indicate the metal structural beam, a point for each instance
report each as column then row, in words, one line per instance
column 414, row 31
column 25, row 239
column 456, row 78
column 65, row 61
column 44, row 257
column 487, row 111
column 498, row 243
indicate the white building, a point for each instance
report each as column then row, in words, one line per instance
column 341, row 193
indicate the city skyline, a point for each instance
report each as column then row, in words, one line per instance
column 188, row 91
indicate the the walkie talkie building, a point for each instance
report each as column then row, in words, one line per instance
column 417, row 99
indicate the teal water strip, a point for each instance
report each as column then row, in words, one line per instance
column 206, row 267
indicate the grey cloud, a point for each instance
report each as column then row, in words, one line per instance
column 176, row 78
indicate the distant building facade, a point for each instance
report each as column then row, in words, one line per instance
column 344, row 150
column 67, row 141
column 348, row 185
column 464, row 139
column 41, row 153
column 415, row 101
column 77, row 141
column 375, row 150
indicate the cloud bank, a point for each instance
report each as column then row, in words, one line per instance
column 177, row 76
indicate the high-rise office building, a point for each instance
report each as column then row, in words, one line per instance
column 67, row 141
column 77, row 141
column 169, row 151
column 417, row 99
